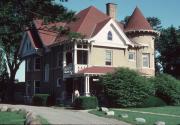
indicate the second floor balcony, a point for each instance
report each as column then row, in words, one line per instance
column 76, row 59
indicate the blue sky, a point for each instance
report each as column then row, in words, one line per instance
column 168, row 11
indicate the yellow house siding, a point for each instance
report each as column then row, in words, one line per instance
column 119, row 57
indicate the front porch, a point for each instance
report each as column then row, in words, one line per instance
column 85, row 81
column 85, row 85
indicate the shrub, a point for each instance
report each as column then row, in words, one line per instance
column 51, row 100
column 83, row 102
column 40, row 99
column 126, row 88
column 168, row 89
column 153, row 101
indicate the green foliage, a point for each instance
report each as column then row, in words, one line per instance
column 168, row 89
column 168, row 46
column 154, row 22
column 153, row 101
column 16, row 17
column 126, row 88
column 40, row 99
column 83, row 102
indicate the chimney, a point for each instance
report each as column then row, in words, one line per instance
column 111, row 9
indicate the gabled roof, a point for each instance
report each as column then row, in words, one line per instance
column 99, row 26
column 87, row 21
column 137, row 21
column 47, row 35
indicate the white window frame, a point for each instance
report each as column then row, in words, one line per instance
column 35, row 64
column 107, row 60
column 46, row 73
column 134, row 56
column 148, row 60
column 58, row 85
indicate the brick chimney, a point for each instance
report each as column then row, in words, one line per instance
column 111, row 9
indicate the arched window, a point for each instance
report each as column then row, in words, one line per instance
column 109, row 35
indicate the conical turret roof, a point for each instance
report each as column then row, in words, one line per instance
column 137, row 22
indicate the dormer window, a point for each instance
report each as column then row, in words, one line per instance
column 109, row 37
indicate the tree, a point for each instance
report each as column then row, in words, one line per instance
column 168, row 46
column 155, row 23
column 16, row 17
column 125, row 20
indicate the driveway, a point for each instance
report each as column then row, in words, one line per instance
column 67, row 116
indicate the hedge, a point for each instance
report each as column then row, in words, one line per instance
column 126, row 88
column 167, row 88
column 40, row 99
column 83, row 102
column 153, row 101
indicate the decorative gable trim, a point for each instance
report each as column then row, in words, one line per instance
column 121, row 41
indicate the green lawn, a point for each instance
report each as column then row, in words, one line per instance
column 150, row 118
column 17, row 118
column 11, row 118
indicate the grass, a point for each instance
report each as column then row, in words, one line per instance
column 11, row 118
column 17, row 118
column 150, row 118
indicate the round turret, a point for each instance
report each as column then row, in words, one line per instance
column 142, row 34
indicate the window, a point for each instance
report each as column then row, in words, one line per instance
column 36, row 87
column 59, row 60
column 146, row 60
column 28, row 65
column 82, row 56
column 108, row 57
column 46, row 76
column 132, row 56
column 37, row 63
column 109, row 37
column 82, row 46
column 59, row 82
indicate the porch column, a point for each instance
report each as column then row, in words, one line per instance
column 64, row 58
column 86, row 86
column 75, row 57
column 88, row 57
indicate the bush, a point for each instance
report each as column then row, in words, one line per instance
column 126, row 88
column 40, row 99
column 83, row 102
column 168, row 89
column 153, row 101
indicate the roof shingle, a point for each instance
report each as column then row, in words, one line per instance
column 137, row 21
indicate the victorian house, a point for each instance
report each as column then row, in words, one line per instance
column 58, row 65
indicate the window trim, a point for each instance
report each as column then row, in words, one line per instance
column 109, row 36
column 111, row 51
column 134, row 56
column 35, row 64
column 147, row 55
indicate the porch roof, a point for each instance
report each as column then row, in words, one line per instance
column 97, row 70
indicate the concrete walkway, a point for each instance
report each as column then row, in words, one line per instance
column 66, row 116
